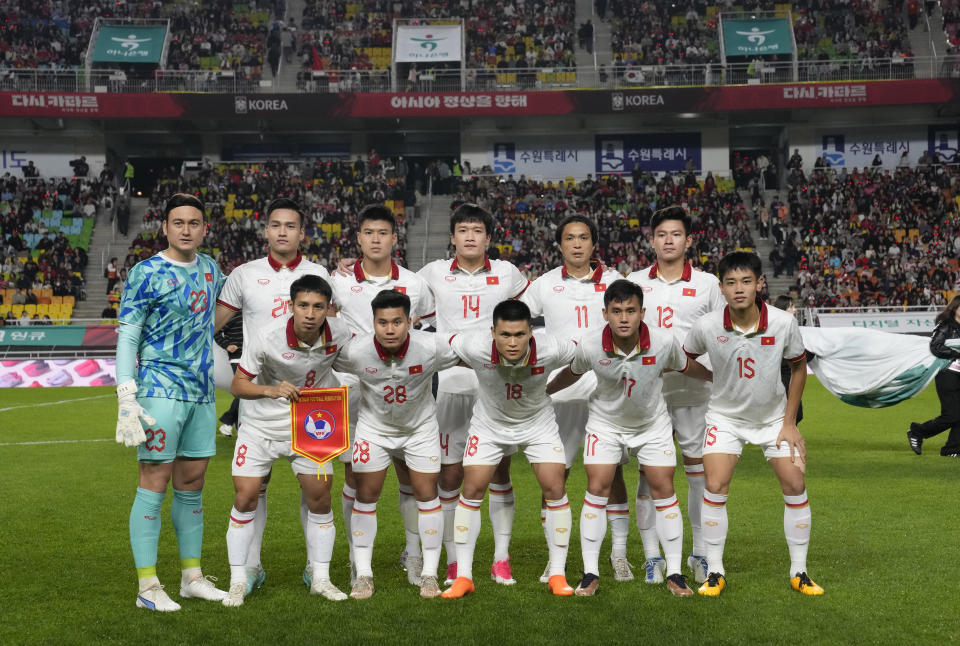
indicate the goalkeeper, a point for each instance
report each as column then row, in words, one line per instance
column 166, row 406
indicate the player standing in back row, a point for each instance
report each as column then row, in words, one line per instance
column 675, row 296
column 746, row 341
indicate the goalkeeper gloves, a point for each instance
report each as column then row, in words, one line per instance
column 129, row 430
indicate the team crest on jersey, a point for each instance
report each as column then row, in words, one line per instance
column 493, row 280
column 263, row 281
column 689, row 291
column 558, row 288
column 288, row 355
column 604, row 362
column 356, row 289
column 600, row 287
column 449, row 278
column 319, row 424
column 371, row 370
column 723, row 339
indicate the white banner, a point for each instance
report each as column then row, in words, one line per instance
column 545, row 157
column 901, row 322
column 427, row 44
column 857, row 148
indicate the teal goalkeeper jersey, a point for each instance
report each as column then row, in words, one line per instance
column 173, row 304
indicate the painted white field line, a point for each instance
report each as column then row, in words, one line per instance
column 60, row 401
column 107, row 439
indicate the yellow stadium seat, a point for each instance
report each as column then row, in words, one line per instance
column 69, row 300
column 30, row 309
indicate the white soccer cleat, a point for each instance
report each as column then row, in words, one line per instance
column 697, row 565
column 621, row 568
column 154, row 598
column 201, row 587
column 353, row 573
column 655, row 569
column 327, row 590
column 362, row 588
column 413, row 564
column 545, row 577
column 226, row 430
column 236, row 594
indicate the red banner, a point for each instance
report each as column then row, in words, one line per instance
column 320, row 423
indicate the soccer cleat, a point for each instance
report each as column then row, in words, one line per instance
column 677, row 585
column 621, row 568
column 255, row 578
column 236, row 594
column 654, row 569
column 362, row 588
column 461, row 587
column 915, row 440
column 429, row 588
column 500, row 572
column 713, row 586
column 451, row 574
column 154, row 598
column 588, row 585
column 226, row 430
column 545, row 577
column 559, row 586
column 802, row 583
column 308, row 575
column 201, row 587
column 698, row 565
column 327, row 590
column 413, row 564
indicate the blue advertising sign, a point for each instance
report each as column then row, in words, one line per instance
column 648, row 152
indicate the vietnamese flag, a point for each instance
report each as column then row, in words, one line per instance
column 538, row 370
column 689, row 291
column 416, row 370
column 493, row 280
column 649, row 361
column 768, row 340
column 399, row 288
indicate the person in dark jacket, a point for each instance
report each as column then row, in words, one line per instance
column 230, row 338
column 785, row 303
column 948, row 386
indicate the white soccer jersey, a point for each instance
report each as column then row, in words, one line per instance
column 464, row 302
column 274, row 354
column 397, row 390
column 746, row 367
column 512, row 402
column 628, row 397
column 570, row 306
column 674, row 307
column 353, row 294
column 261, row 288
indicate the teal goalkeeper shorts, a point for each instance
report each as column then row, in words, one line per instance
column 183, row 429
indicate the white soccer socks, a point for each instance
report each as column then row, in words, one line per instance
column 696, row 485
column 500, row 507
column 593, row 527
column 448, row 503
column 618, row 515
column 430, row 529
column 363, row 526
column 347, row 497
column 559, row 524
column 796, row 527
column 259, row 525
column 240, row 535
column 715, row 525
column 408, row 511
column 670, row 531
column 647, row 519
column 466, row 520
column 321, row 534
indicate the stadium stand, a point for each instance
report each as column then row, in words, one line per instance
column 950, row 9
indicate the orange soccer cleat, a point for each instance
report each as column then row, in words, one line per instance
column 559, row 587
column 460, row 588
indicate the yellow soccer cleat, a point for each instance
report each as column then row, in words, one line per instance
column 461, row 587
column 802, row 583
column 713, row 586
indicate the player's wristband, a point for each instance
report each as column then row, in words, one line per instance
column 127, row 388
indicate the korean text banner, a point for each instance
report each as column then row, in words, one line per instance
column 320, row 423
column 129, row 44
column 648, row 152
column 427, row 44
column 760, row 37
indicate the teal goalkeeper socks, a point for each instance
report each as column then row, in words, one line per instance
column 187, row 512
column 145, row 527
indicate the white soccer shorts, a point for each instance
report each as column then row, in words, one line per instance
column 354, row 400
column 543, row 446
column 374, row 452
column 254, row 455
column 653, row 446
column 688, row 424
column 454, row 412
column 724, row 435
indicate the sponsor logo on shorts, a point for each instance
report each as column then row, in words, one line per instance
column 371, row 370
column 150, row 517
column 263, row 281
column 434, row 458
column 558, row 288
column 449, row 278
column 723, row 339
column 668, row 452
column 288, row 355
column 671, row 515
column 711, row 523
column 558, row 449
column 356, row 289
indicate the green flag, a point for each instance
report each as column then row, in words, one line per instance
column 129, row 44
column 758, row 37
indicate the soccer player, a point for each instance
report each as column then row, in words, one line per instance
column 165, row 375
column 371, row 274
column 261, row 289
column 675, row 296
column 397, row 422
column 570, row 299
column 512, row 412
column 746, row 341
column 293, row 352
column 466, row 291
column 628, row 413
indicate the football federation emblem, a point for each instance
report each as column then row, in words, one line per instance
column 319, row 424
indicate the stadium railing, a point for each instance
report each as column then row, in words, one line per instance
column 618, row 76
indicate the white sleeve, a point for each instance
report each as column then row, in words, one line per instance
column 581, row 362
column 693, row 345
column 251, row 359
column 518, row 282
column 532, row 298
column 232, row 293
column 426, row 306
column 445, row 356
column 343, row 361
column 566, row 351
column 717, row 301
column 793, row 349
column 676, row 358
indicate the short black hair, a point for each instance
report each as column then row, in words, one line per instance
column 576, row 217
column 740, row 260
column 182, row 199
column 511, row 310
column 390, row 298
column 469, row 212
column 783, row 301
column 311, row 283
column 379, row 213
column 673, row 212
column 283, row 203
column 622, row 290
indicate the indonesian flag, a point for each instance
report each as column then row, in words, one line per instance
column 320, row 423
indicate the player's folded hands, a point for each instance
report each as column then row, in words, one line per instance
column 129, row 413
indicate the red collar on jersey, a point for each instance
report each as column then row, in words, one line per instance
column 276, row 266
column 595, row 276
column 643, row 343
column 385, row 356
column 686, row 274
column 531, row 356
column 294, row 342
column 761, row 326
column 361, row 275
column 454, row 266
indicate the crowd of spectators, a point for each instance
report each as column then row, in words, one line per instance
column 660, row 33
column 865, row 30
column 950, row 10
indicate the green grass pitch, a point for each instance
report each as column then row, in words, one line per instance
column 883, row 547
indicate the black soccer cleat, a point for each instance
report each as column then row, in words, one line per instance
column 915, row 439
